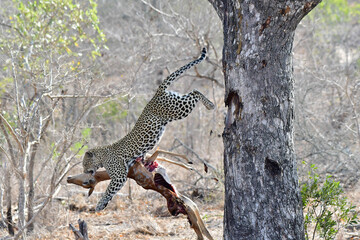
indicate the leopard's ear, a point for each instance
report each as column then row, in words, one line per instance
column 89, row 154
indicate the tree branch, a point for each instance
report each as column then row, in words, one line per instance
column 197, row 156
column 82, row 233
column 81, row 96
column 155, row 9
column 12, row 132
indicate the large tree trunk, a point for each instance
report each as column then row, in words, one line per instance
column 262, row 199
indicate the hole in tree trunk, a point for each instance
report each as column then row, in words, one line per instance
column 272, row 167
column 235, row 107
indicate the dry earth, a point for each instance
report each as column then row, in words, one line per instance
column 139, row 219
column 143, row 217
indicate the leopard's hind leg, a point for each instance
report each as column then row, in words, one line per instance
column 186, row 103
column 207, row 103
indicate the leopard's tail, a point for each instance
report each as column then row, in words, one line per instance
column 172, row 77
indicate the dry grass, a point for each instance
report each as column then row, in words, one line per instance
column 137, row 220
column 144, row 217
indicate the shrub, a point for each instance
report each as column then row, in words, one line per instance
column 326, row 210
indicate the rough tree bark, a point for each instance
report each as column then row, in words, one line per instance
column 262, row 199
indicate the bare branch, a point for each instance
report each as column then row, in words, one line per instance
column 155, row 9
column 11, row 27
column 197, row 156
column 82, row 96
column 12, row 132
column 82, row 233
column 16, row 89
column 198, row 75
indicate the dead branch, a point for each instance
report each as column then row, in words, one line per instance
column 80, row 234
column 206, row 163
column 156, row 9
column 156, row 181
column 12, row 132
column 79, row 96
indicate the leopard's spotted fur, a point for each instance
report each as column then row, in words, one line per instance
column 163, row 108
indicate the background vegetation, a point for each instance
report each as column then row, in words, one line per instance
column 77, row 75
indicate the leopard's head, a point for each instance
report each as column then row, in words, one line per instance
column 91, row 161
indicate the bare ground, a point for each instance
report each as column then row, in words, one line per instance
column 144, row 217
column 139, row 219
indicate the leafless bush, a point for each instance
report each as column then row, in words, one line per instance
column 327, row 93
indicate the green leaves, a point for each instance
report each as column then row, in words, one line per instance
column 86, row 132
column 334, row 11
column 54, row 26
column 80, row 147
column 325, row 209
column 112, row 110
column 48, row 45
column 3, row 83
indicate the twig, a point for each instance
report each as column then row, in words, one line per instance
column 155, row 9
column 6, row 154
column 196, row 155
column 80, row 96
column 16, row 89
column 9, row 26
column 5, row 25
column 198, row 75
column 12, row 132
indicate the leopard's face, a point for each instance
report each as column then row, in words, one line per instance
column 91, row 162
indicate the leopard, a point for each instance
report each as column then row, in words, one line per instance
column 165, row 106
